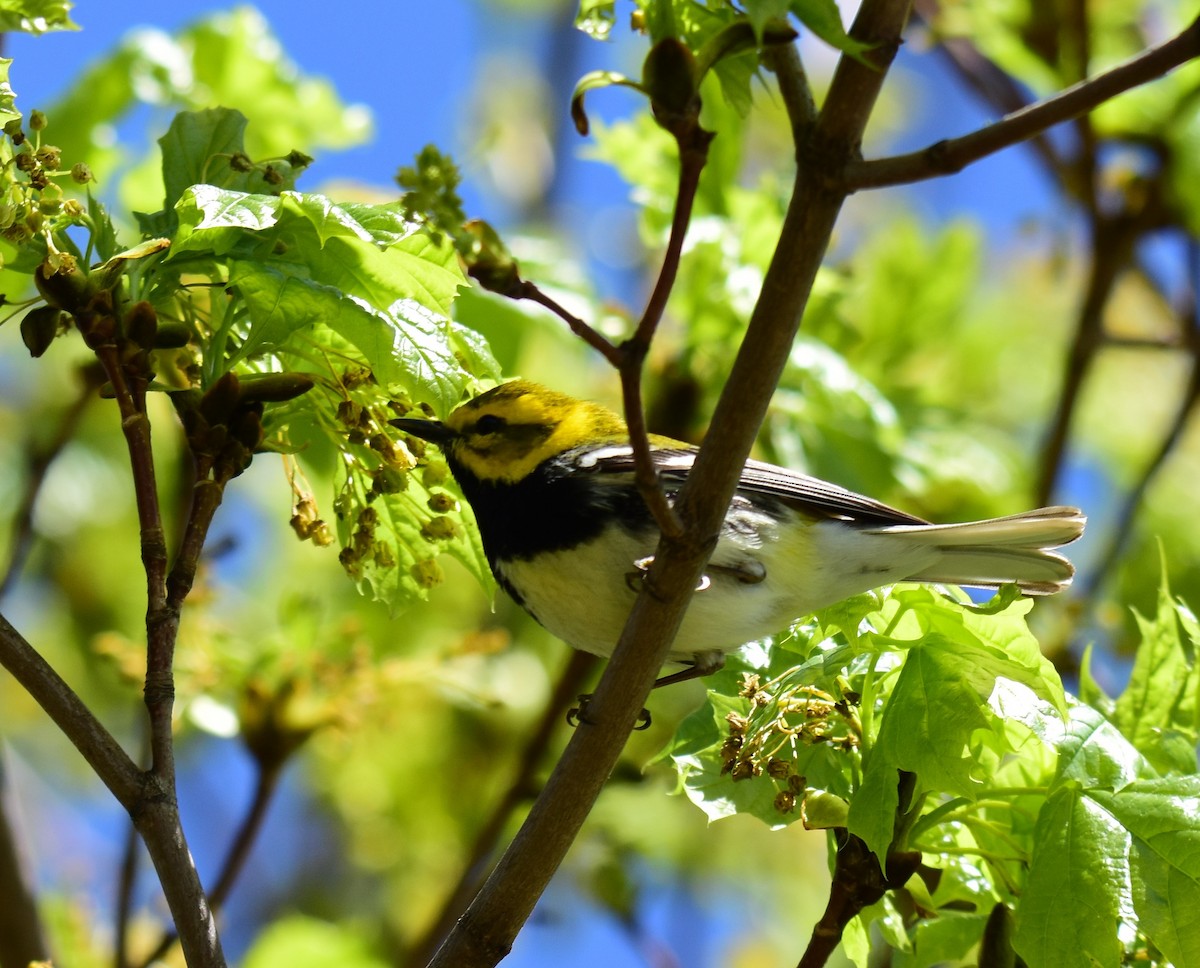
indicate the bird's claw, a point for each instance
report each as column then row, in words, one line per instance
column 577, row 715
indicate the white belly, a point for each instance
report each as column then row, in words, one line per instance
column 584, row 595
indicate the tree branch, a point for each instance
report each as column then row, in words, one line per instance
column 949, row 156
column 995, row 87
column 486, row 931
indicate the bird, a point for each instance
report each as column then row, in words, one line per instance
column 569, row 537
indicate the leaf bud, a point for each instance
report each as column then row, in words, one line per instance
column 246, row 428
column 221, row 399
column 669, row 77
column 171, row 335
column 141, row 325
column 275, row 387
column 39, row 327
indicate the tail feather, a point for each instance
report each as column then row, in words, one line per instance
column 1016, row 548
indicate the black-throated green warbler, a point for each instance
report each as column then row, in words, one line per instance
column 568, row 536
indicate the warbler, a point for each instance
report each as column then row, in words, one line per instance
column 569, row 536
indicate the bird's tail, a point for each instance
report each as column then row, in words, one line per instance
column 1016, row 548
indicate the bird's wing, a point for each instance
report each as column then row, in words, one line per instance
column 809, row 495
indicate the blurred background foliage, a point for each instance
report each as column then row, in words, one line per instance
column 928, row 373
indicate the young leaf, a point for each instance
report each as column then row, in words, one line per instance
column 1160, row 708
column 1161, row 817
column 8, row 97
column 1068, row 913
column 824, row 19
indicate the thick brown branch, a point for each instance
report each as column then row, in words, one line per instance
column 947, row 157
column 486, row 932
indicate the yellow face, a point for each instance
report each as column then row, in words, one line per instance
column 505, row 433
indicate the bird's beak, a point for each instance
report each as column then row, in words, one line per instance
column 434, row 431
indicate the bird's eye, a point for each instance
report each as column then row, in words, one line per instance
column 490, row 423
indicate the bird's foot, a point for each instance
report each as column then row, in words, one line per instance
column 578, row 714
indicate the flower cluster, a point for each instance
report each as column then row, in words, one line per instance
column 783, row 719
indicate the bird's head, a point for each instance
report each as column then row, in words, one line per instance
column 502, row 435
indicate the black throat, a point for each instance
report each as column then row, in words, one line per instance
column 553, row 508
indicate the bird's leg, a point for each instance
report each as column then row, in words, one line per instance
column 701, row 664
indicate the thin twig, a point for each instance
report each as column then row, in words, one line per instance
column 952, row 155
column 1112, row 249
column 127, row 876
column 159, row 690
column 126, row 881
column 994, row 86
column 693, row 154
column 103, row 753
column 603, row 346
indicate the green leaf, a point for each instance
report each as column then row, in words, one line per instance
column 949, row 937
column 8, row 97
column 1068, row 913
column 1160, row 708
column 36, row 16
column 1164, row 822
column 104, row 236
column 824, row 19
column 196, row 150
column 1094, row 753
column 936, row 705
